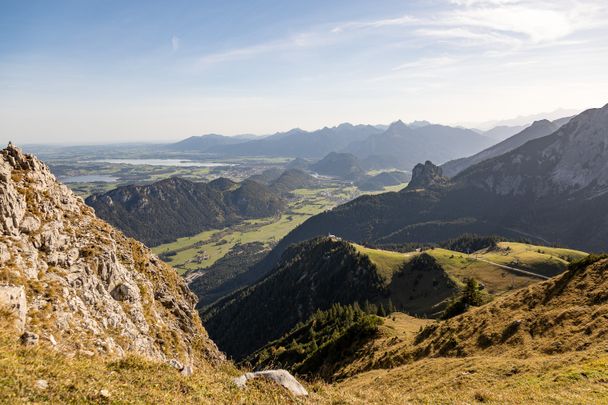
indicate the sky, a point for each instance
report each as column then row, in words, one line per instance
column 87, row 71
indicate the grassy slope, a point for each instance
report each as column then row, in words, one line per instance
column 497, row 280
column 132, row 380
column 386, row 261
column 555, row 354
column 575, row 378
column 543, row 260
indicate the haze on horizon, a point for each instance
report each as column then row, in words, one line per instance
column 107, row 71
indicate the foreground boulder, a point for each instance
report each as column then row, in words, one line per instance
column 281, row 377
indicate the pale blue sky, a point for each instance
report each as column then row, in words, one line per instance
column 105, row 71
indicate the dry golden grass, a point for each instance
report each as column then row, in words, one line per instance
column 545, row 344
column 131, row 380
column 575, row 378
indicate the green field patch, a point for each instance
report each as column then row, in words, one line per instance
column 204, row 249
column 387, row 262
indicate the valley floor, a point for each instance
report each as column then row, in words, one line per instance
column 204, row 249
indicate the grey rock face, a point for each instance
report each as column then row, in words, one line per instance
column 12, row 299
column 427, row 175
column 29, row 338
column 96, row 289
column 570, row 160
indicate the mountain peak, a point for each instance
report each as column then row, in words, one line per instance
column 539, row 123
column 397, row 127
column 18, row 160
column 427, row 175
column 345, row 125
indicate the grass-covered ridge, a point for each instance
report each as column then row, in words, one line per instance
column 490, row 266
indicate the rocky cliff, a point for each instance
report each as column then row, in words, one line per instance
column 427, row 175
column 88, row 288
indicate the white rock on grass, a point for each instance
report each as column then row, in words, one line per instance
column 42, row 384
column 281, row 377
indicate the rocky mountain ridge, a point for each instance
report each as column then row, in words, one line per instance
column 572, row 159
column 406, row 144
column 87, row 287
column 538, row 129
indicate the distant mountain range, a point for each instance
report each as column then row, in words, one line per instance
column 553, row 189
column 396, row 146
column 503, row 132
column 399, row 145
column 204, row 142
column 300, row 143
column 525, row 120
column 169, row 209
column 406, row 145
column 537, row 130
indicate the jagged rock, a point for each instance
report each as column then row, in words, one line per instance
column 187, row 371
column 176, row 364
column 52, row 340
column 122, row 292
column 12, row 299
column 281, row 377
column 99, row 284
column 29, row 224
column 29, row 338
column 86, row 353
column 5, row 255
column 427, row 175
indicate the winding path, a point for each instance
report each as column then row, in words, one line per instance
column 524, row 272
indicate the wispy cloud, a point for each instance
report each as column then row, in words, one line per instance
column 506, row 22
column 427, row 62
column 389, row 22
column 460, row 29
column 299, row 41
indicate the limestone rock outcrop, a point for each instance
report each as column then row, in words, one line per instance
column 427, row 175
column 87, row 285
column 280, row 377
